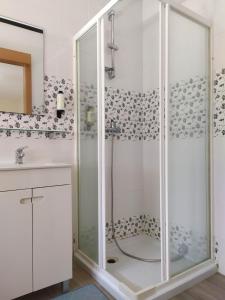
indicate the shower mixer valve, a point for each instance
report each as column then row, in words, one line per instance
column 113, row 129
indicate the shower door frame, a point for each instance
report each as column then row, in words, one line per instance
column 99, row 270
column 97, row 21
column 165, row 133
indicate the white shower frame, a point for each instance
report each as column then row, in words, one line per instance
column 168, row 286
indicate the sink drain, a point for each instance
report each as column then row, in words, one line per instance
column 112, row 260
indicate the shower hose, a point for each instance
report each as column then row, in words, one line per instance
column 182, row 250
column 152, row 260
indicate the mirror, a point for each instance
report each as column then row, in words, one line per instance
column 21, row 67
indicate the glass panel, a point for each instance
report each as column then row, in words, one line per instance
column 131, row 35
column 188, row 142
column 88, row 144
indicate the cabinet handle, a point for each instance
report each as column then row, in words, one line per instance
column 37, row 198
column 25, row 200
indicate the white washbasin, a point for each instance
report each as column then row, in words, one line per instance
column 31, row 165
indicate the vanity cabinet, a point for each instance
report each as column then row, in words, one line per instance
column 16, row 243
column 35, row 230
column 52, row 236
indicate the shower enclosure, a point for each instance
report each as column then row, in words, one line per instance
column 143, row 225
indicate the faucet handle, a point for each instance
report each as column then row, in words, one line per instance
column 20, row 149
column 20, row 154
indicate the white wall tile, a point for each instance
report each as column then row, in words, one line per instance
column 151, row 178
column 128, row 178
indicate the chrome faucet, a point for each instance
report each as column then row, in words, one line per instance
column 20, row 155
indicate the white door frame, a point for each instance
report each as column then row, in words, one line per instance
column 97, row 21
column 165, row 124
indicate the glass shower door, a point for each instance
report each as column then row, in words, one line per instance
column 87, row 144
column 188, row 141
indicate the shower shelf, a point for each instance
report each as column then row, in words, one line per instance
column 35, row 130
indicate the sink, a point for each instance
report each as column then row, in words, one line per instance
column 32, row 165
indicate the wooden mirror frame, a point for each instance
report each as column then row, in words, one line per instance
column 22, row 59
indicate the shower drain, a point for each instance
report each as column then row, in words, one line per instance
column 112, row 260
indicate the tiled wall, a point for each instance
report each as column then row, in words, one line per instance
column 135, row 225
column 219, row 104
column 196, row 244
column 88, row 96
column 188, row 108
column 137, row 113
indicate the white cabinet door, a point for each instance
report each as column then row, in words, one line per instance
column 52, row 235
column 16, row 244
